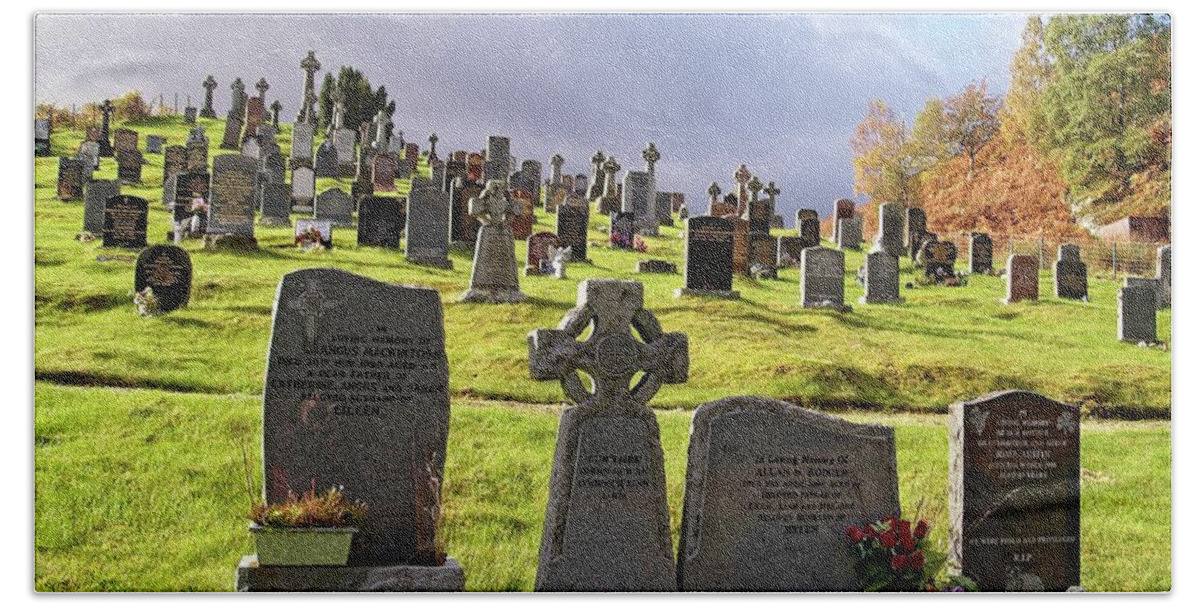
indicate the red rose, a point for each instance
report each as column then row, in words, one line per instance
column 922, row 529
column 907, row 542
column 898, row 562
column 904, row 527
column 887, row 539
column 854, row 534
column 916, row 561
column 869, row 532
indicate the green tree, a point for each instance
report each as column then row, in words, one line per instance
column 1022, row 117
column 325, row 101
column 362, row 102
column 886, row 160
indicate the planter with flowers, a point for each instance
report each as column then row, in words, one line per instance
column 309, row 530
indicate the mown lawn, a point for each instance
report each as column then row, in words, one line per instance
column 141, row 424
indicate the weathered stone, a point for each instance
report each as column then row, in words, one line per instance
column 154, row 144
column 637, row 197
column 336, row 206
column 914, row 233
column 231, row 202
column 189, row 189
column 382, row 442
column 980, row 253
column 302, row 142
column 1163, row 273
column 383, row 173
column 621, row 230
column 326, row 164
column 1137, row 320
column 1070, row 274
column 849, row 233
column 304, row 185
column 129, row 166
column 494, row 271
column 70, row 178
column 276, row 204
column 381, row 221
column 787, row 250
column 373, row 579
column 770, row 489
column 167, row 270
column 882, row 283
column 607, row 526
column 843, row 209
column 655, row 267
column 522, row 220
column 708, row 257
column 427, row 225
column 197, row 155
column 537, row 256
column 98, row 193
column 939, row 257
column 571, row 226
column 822, row 278
column 125, row 222
column 1021, row 278
column 890, row 237
column 1014, row 492
column 463, row 227
column 810, row 232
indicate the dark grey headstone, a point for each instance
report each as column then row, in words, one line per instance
column 336, row 206
column 380, row 221
column 234, row 181
column 187, row 187
column 621, row 230
column 70, row 178
column 98, row 193
column 787, row 250
column 708, row 255
column 383, row 173
column 939, row 258
column 326, row 164
column 849, row 233
column 125, row 222
column 302, row 141
column 1014, row 492
column 890, row 237
column 822, row 276
column 915, row 230
column 427, row 225
column 1070, row 274
column 637, row 194
column 273, row 168
column 380, row 436
column 656, row 267
column 464, row 229
column 1021, row 278
column 1137, row 305
column 770, row 489
column 980, row 253
column 276, row 204
column 154, row 144
column 810, row 232
column 129, row 166
column 883, row 278
column 197, row 155
column 189, row 115
column 662, row 208
column 571, row 226
column 1164, row 276
column 167, row 270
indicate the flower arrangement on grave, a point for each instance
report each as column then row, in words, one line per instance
column 310, row 238
column 311, row 529
column 890, row 555
column 146, row 302
column 617, row 239
column 639, row 245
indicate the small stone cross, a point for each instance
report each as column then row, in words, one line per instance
column 771, row 191
column 611, row 355
column 262, row 87
column 651, row 156
column 713, row 192
column 276, row 108
column 598, row 159
column 492, row 205
column 433, row 139
column 210, row 83
column 107, row 108
column 237, row 85
column 310, row 63
column 755, row 187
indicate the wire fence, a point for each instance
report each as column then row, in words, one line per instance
column 1110, row 260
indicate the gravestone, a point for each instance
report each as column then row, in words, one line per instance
column 273, row 169
column 380, row 221
column 637, row 198
column 1021, row 278
column 1014, row 492
column 383, row 173
column 189, row 189
column 915, row 230
column 843, row 209
column 437, row 170
column 41, row 137
column 655, row 267
column 708, row 257
column 302, row 143
column 336, row 206
column 882, row 283
column 741, row 245
column 167, row 270
column 806, row 214
column 1137, row 320
column 980, row 253
column 154, row 144
column 129, row 166
column 70, row 178
column 822, row 278
column 621, row 230
column 463, row 227
column 1163, row 273
column 326, row 164
column 231, row 203
column 810, row 233
column 787, row 250
column 1070, row 274
column 254, row 117
column 890, row 237
column 125, row 222
column 276, row 204
column 189, row 115
column 89, row 153
column 607, row 526
column 662, row 208
column 770, row 489
column 125, row 139
column 98, row 193
column 427, row 226
column 494, row 271
column 939, row 258
column 495, row 165
column 233, row 130
column 174, row 161
column 537, row 252
column 523, row 219
column 304, row 186
column 412, row 154
column 571, row 226
column 849, row 233
column 252, row 148
column 197, row 155
column 382, row 439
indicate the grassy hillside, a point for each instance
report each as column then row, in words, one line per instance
column 140, row 424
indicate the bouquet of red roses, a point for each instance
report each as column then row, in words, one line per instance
column 890, row 554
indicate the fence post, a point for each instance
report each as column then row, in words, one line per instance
column 1114, row 260
column 1041, row 252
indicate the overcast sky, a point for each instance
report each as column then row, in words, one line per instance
column 779, row 92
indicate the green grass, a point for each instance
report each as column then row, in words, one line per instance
column 140, row 423
column 144, row 489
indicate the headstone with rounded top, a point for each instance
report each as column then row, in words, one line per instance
column 1070, row 274
column 167, row 270
column 336, row 206
column 979, row 252
column 607, row 525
